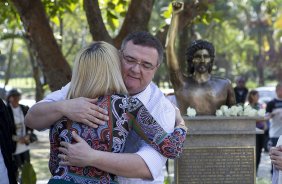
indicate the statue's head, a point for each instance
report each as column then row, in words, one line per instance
column 194, row 47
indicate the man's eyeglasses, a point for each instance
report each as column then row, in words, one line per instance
column 133, row 62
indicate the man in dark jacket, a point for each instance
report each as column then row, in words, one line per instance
column 6, row 145
column 241, row 91
column 21, row 133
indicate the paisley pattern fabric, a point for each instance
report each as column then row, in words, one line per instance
column 126, row 114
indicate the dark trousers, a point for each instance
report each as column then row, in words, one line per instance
column 19, row 160
column 266, row 138
column 259, row 146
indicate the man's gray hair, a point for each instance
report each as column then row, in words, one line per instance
column 146, row 39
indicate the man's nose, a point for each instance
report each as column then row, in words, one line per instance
column 136, row 68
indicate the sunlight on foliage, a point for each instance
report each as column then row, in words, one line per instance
column 113, row 13
column 278, row 22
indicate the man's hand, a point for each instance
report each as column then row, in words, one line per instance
column 85, row 111
column 275, row 154
column 78, row 154
column 24, row 139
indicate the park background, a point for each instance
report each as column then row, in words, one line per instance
column 39, row 38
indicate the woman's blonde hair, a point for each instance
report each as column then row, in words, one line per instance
column 96, row 72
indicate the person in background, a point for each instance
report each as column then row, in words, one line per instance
column 241, row 91
column 21, row 133
column 274, row 112
column 253, row 98
column 7, row 170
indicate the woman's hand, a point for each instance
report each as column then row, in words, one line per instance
column 179, row 121
column 84, row 110
column 78, row 154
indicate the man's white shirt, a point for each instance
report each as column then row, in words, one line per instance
column 162, row 111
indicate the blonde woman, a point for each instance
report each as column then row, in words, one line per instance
column 97, row 74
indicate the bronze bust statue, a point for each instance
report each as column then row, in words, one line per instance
column 199, row 89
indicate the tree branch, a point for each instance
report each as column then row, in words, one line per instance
column 95, row 21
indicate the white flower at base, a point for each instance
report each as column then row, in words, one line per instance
column 252, row 113
column 261, row 112
column 224, row 108
column 234, row 110
column 240, row 110
column 227, row 112
column 237, row 110
column 248, row 111
column 191, row 112
column 219, row 112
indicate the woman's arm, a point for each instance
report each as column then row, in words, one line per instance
column 172, row 62
column 142, row 122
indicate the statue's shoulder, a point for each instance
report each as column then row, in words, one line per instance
column 221, row 79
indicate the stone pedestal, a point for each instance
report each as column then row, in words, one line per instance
column 218, row 150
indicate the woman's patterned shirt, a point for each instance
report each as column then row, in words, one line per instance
column 125, row 114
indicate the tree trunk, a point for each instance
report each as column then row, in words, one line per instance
column 136, row 19
column 10, row 60
column 39, row 91
column 95, row 21
column 260, row 67
column 42, row 41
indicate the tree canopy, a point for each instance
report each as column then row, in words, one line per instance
column 43, row 36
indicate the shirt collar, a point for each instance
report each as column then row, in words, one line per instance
column 144, row 96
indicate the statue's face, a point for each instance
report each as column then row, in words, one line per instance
column 201, row 61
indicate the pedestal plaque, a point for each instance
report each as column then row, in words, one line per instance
column 218, row 150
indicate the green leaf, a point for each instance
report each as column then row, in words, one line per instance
column 111, row 15
column 167, row 13
column 111, row 5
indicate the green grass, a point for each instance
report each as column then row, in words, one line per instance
column 262, row 181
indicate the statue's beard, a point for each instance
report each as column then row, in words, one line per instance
column 202, row 68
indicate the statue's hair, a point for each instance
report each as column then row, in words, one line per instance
column 194, row 47
column 145, row 39
column 96, row 72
